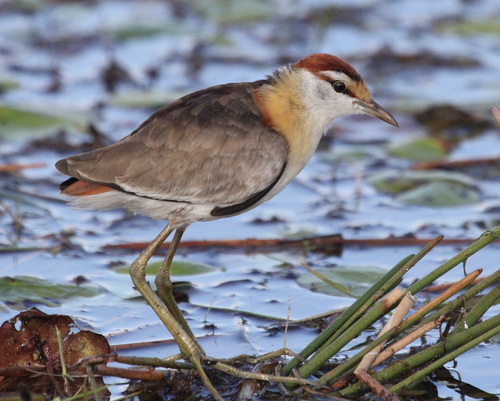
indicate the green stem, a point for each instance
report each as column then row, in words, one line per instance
column 354, row 360
column 367, row 317
column 418, row 376
column 367, row 298
column 450, row 344
column 320, row 358
column 477, row 311
column 446, row 308
column 459, row 301
column 479, row 244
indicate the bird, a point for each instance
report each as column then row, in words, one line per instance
column 215, row 153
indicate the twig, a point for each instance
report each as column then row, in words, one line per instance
column 309, row 390
column 286, row 325
column 142, row 344
column 414, row 335
column 444, row 287
column 348, row 365
column 496, row 114
column 63, row 364
column 376, row 387
column 337, row 286
column 10, row 168
column 249, row 387
column 454, row 164
column 399, row 314
column 152, row 362
column 133, row 374
column 216, row 364
column 93, row 383
column 459, row 301
column 262, row 376
column 444, row 296
column 328, row 242
column 269, row 355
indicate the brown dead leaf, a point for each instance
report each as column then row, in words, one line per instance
column 29, row 344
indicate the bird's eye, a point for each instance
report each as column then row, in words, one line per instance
column 339, row 87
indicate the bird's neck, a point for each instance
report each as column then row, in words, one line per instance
column 281, row 101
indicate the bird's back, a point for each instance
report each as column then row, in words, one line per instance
column 209, row 148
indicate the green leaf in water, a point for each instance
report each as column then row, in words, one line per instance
column 11, row 117
column 7, row 84
column 132, row 31
column 429, row 188
column 489, row 26
column 344, row 290
column 16, row 122
column 356, row 152
column 17, row 290
column 145, row 27
column 357, row 279
column 234, row 11
column 396, row 181
column 177, row 268
column 441, row 194
column 146, row 99
column 420, row 149
column 296, row 232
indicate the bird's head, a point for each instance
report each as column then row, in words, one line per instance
column 308, row 95
column 332, row 84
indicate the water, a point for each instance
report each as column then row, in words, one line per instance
column 187, row 51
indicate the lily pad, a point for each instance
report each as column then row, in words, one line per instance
column 357, row 279
column 16, row 291
column 297, row 232
column 490, row 26
column 356, row 152
column 20, row 123
column 177, row 268
column 420, row 149
column 138, row 30
column 146, row 26
column 234, row 11
column 442, row 194
column 396, row 181
column 7, row 84
column 429, row 188
column 145, row 98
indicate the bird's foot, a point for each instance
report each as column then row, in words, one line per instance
column 198, row 361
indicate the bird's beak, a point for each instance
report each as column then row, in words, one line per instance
column 373, row 109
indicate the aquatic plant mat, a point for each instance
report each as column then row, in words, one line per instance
column 451, row 323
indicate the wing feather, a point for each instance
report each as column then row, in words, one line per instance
column 209, row 147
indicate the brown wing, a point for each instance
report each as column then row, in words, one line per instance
column 208, row 147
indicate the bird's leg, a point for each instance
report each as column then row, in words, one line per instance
column 138, row 273
column 188, row 346
column 164, row 284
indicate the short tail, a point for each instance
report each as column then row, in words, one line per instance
column 75, row 187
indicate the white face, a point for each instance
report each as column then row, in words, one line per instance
column 336, row 96
column 328, row 100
